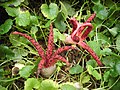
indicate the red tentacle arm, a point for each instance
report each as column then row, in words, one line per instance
column 74, row 23
column 86, row 32
column 93, row 54
column 62, row 49
column 54, row 59
column 36, row 44
column 50, row 44
column 91, row 18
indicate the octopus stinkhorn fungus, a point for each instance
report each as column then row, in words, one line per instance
column 47, row 65
column 79, row 34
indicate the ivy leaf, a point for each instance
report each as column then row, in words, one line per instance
column 110, row 60
column 12, row 11
column 95, row 46
column 26, row 71
column 92, row 63
column 12, row 2
column 70, row 10
column 4, row 28
column 102, row 39
column 32, row 83
column 5, row 52
column 84, row 78
column 114, row 72
column 109, row 3
column 58, row 35
column 118, row 43
column 117, row 66
column 67, row 86
column 50, row 11
column 48, row 84
column 59, row 23
column 114, row 31
column 96, row 1
column 16, row 40
column 106, row 51
column 106, row 76
column 76, row 69
column 23, row 19
column 101, row 11
column 2, row 88
column 93, row 72
column 34, row 20
column 33, row 30
column 64, row 10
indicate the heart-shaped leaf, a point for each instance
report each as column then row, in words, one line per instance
column 58, row 35
column 93, row 72
column 2, row 88
column 32, row 83
column 95, row 46
column 76, row 69
column 68, row 86
column 13, row 11
column 48, row 84
column 23, row 18
column 50, row 11
column 4, row 28
column 101, row 11
column 114, row 31
column 26, row 71
column 118, row 43
column 12, row 2
column 59, row 23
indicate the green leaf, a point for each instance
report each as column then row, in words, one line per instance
column 67, row 86
column 48, row 84
column 76, row 69
column 93, row 72
column 12, row 2
column 33, row 30
column 58, row 35
column 5, row 52
column 16, row 40
column 1, row 72
column 96, row 1
column 102, row 39
column 118, row 43
column 34, row 20
column 2, row 88
column 106, row 51
column 19, row 53
column 95, row 46
column 116, row 86
column 114, row 31
column 32, row 83
column 59, row 23
column 92, row 63
column 117, row 66
column 23, row 19
column 84, row 78
column 50, row 11
column 68, row 6
column 26, row 71
column 64, row 10
column 106, row 76
column 110, row 60
column 109, row 3
column 4, row 28
column 101, row 11
column 13, row 11
column 113, row 72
